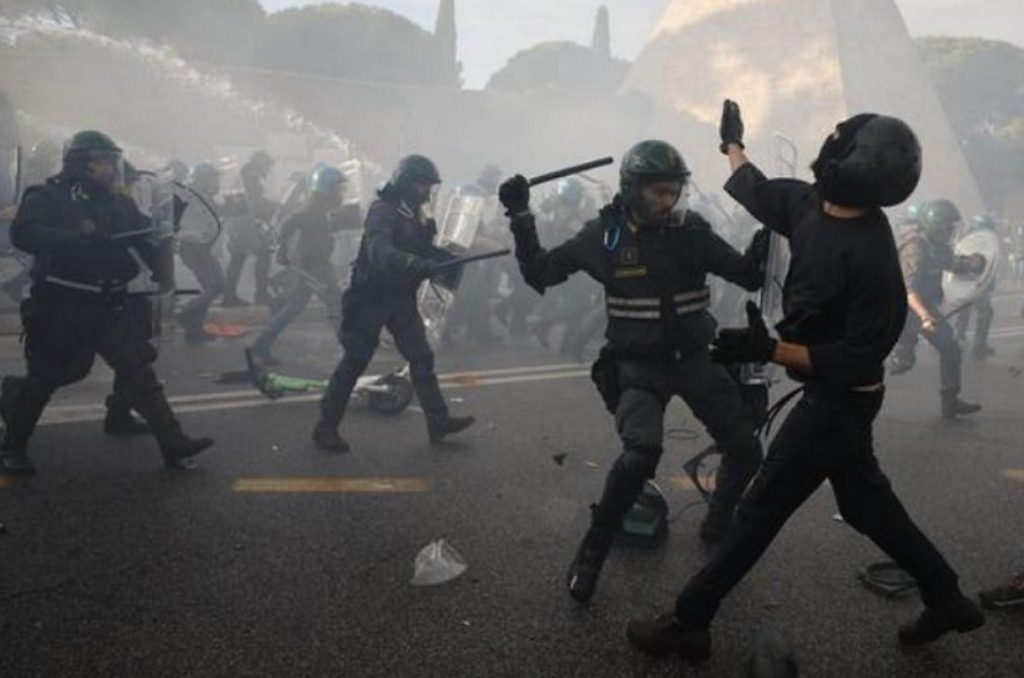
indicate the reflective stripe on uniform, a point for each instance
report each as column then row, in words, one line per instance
column 633, row 315
column 694, row 307
column 703, row 293
column 82, row 287
column 644, row 302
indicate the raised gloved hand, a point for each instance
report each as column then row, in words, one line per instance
column 751, row 344
column 731, row 127
column 514, row 194
column 760, row 244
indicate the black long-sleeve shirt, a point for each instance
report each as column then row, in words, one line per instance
column 844, row 296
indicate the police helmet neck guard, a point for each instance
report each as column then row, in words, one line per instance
column 646, row 163
column 869, row 161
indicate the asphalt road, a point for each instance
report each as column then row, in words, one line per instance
column 276, row 559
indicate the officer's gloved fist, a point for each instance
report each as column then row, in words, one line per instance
column 977, row 263
column 751, row 344
column 514, row 194
column 731, row 127
column 420, row 268
column 760, row 244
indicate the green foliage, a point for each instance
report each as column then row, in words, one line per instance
column 981, row 85
column 352, row 41
column 560, row 65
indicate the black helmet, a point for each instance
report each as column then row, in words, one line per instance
column 87, row 146
column 206, row 177
column 939, row 219
column 415, row 169
column 260, row 160
column 646, row 162
column 869, row 161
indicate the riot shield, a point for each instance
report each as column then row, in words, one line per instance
column 961, row 289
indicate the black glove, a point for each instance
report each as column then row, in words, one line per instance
column 514, row 194
column 420, row 268
column 731, row 127
column 977, row 262
column 750, row 344
column 759, row 245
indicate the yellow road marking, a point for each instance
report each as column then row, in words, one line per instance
column 1014, row 474
column 337, row 485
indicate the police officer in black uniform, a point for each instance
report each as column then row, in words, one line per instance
column 925, row 252
column 312, row 271
column 195, row 247
column 653, row 263
column 78, row 303
column 395, row 256
column 844, row 303
column 252, row 235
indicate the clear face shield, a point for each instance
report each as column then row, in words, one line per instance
column 106, row 168
column 663, row 202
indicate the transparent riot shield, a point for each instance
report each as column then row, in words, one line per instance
column 961, row 289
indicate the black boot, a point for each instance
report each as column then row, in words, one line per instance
column 15, row 463
column 121, row 422
column 953, row 407
column 326, row 437
column 585, row 569
column 438, row 428
column 179, row 449
column 958, row 614
column 665, row 635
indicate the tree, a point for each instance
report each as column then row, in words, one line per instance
column 560, row 65
column 352, row 41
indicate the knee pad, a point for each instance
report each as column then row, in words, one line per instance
column 639, row 462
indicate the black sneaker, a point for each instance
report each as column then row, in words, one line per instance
column 438, row 429
column 959, row 614
column 665, row 635
column 326, row 438
column 1009, row 594
column 581, row 580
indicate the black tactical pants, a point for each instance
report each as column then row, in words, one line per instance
column 244, row 242
column 826, row 436
column 313, row 278
column 208, row 273
column 364, row 314
column 712, row 395
column 64, row 331
column 942, row 340
column 140, row 311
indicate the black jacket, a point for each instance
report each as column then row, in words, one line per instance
column 394, row 241
column 654, row 280
column 55, row 222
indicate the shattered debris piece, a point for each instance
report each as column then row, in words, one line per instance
column 559, row 458
column 436, row 563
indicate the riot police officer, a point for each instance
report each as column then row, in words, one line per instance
column 252, row 235
column 311, row 268
column 653, row 263
column 77, row 308
column 925, row 252
column 195, row 246
column 982, row 306
column 395, row 256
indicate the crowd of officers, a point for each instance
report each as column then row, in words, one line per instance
column 855, row 296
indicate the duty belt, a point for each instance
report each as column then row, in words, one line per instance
column 649, row 308
column 104, row 288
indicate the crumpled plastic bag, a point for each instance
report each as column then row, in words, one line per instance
column 436, row 563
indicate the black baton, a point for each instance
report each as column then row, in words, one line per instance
column 575, row 169
column 452, row 263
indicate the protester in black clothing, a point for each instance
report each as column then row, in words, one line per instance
column 653, row 263
column 396, row 255
column 251, row 234
column 845, row 304
column 75, row 227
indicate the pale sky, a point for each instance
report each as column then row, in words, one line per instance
column 491, row 31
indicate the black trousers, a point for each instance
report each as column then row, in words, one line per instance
column 205, row 267
column 942, row 340
column 364, row 313
column 63, row 333
column 246, row 240
column 826, row 436
column 140, row 311
column 645, row 390
column 983, row 321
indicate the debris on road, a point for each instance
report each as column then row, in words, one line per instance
column 436, row 563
